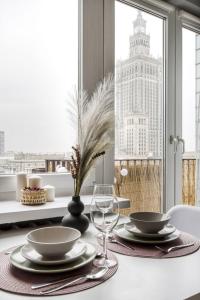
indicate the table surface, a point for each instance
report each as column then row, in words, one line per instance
column 136, row 278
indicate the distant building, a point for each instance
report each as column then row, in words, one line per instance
column 139, row 98
column 12, row 162
column 2, row 142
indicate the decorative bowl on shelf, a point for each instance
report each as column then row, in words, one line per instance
column 53, row 241
column 33, row 196
column 149, row 222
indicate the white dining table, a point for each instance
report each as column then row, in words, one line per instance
column 136, row 277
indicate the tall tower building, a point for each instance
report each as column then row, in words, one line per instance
column 2, row 142
column 139, row 98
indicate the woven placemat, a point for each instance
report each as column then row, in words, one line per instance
column 147, row 250
column 18, row 281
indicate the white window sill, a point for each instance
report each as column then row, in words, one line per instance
column 12, row 211
column 62, row 182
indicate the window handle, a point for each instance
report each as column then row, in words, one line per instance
column 181, row 140
column 173, row 141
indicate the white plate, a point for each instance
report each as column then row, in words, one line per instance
column 121, row 232
column 22, row 263
column 29, row 253
column 167, row 230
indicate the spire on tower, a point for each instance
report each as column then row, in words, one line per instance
column 139, row 25
column 140, row 40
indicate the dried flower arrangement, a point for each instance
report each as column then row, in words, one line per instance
column 95, row 116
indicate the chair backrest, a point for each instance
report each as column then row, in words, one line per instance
column 186, row 218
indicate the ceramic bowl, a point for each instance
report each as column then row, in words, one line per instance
column 53, row 241
column 149, row 222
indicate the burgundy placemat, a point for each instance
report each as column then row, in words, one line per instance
column 19, row 281
column 147, row 250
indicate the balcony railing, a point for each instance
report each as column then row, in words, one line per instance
column 143, row 184
column 188, row 181
column 51, row 164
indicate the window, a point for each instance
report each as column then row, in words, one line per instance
column 188, row 89
column 148, row 91
column 190, row 117
column 140, row 41
column 167, row 123
column 39, row 68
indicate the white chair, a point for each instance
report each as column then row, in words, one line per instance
column 186, row 218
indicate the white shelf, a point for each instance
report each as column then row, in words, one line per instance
column 12, row 211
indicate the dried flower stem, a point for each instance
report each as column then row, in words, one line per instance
column 95, row 117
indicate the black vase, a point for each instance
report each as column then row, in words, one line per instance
column 74, row 218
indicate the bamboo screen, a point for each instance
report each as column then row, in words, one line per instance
column 143, row 184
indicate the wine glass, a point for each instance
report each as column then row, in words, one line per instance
column 104, row 212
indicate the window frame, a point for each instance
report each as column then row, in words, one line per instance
column 62, row 181
column 94, row 33
column 191, row 22
column 7, row 181
column 97, row 32
column 168, row 13
column 96, row 59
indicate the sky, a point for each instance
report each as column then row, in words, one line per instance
column 39, row 68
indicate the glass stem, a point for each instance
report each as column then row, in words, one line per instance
column 105, row 245
column 104, row 240
column 103, row 219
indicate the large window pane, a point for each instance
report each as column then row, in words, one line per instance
column 191, row 116
column 139, row 106
column 39, row 67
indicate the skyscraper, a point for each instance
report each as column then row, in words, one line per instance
column 139, row 98
column 2, row 142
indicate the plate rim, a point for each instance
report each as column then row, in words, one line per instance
column 145, row 241
column 149, row 235
column 50, row 271
column 52, row 263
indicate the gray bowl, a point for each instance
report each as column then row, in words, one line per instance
column 149, row 222
column 53, row 241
